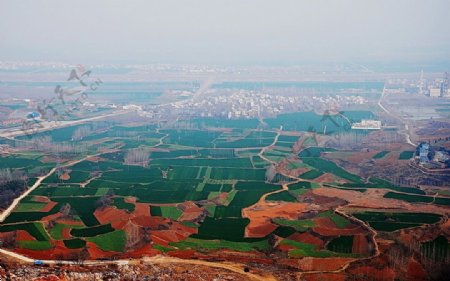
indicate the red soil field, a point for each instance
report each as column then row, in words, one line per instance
column 22, row 235
column 41, row 199
column 415, row 271
column 373, row 199
column 60, row 250
column 94, row 159
column 35, row 254
column 260, row 230
column 48, row 207
column 164, row 237
column 446, row 227
column 53, row 217
column 65, row 233
column 325, row 178
column 65, row 176
column 145, row 251
column 324, row 276
column 183, row 254
column 316, row 264
column 176, row 233
column 110, row 214
column 142, row 209
column 371, row 273
column 69, row 221
column 260, row 216
column 308, row 238
column 326, row 227
column 97, row 253
column 4, row 235
column 150, row 222
column 190, row 211
column 360, row 245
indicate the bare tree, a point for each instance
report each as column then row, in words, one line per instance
column 137, row 156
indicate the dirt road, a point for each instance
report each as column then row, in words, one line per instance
column 405, row 131
column 16, row 201
column 237, row 268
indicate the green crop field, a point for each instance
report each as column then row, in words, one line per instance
column 29, row 207
column 281, row 196
column 56, row 230
column 35, row 245
column 198, row 164
column 394, row 221
column 310, row 175
column 406, row 155
column 299, row 225
column 305, row 250
column 238, row 174
column 379, row 183
column 327, row 166
column 409, row 197
column 380, row 154
column 201, row 244
column 338, row 220
column 213, row 228
column 35, row 229
column 342, row 244
column 166, row 211
column 112, row 241
column 91, row 231
column 120, row 203
column 74, row 243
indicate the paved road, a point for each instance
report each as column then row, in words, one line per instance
column 50, row 125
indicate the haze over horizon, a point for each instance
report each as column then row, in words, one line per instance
column 225, row 32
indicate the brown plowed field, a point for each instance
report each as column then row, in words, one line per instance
column 415, row 271
column 326, row 227
column 65, row 233
column 97, row 253
column 373, row 199
column 360, row 245
column 110, row 214
column 48, row 207
column 261, row 214
column 308, row 238
column 325, row 178
column 372, row 273
column 145, row 251
column 324, row 277
column 22, row 235
column 65, row 176
column 41, row 199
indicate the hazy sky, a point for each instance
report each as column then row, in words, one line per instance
column 231, row 32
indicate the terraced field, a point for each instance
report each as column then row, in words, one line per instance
column 201, row 189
